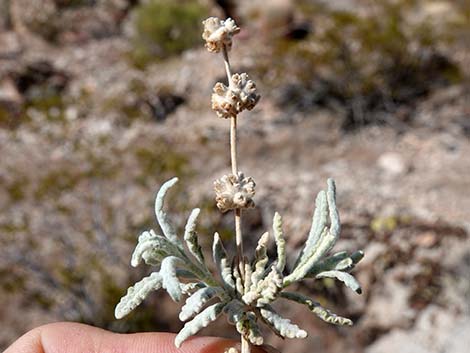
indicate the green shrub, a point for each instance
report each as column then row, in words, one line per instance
column 164, row 28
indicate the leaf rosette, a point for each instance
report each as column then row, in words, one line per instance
column 245, row 300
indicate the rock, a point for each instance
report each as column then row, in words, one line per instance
column 388, row 306
column 395, row 342
column 393, row 164
column 436, row 331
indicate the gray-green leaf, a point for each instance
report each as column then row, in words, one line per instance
column 200, row 321
column 162, row 218
column 317, row 309
column 196, row 302
column 190, row 236
column 137, row 293
column 280, row 242
column 281, row 326
column 344, row 277
column 170, row 280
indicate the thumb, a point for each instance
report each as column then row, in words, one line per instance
column 78, row 338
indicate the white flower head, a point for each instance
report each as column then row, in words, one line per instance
column 229, row 101
column 218, row 33
column 234, row 191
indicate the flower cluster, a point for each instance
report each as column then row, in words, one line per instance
column 218, row 33
column 241, row 94
column 234, row 191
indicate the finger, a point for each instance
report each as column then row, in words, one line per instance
column 78, row 338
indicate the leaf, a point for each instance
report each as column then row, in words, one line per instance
column 169, row 279
column 355, row 258
column 136, row 294
column 234, row 310
column 248, row 328
column 226, row 274
column 261, row 259
column 325, row 243
column 220, row 259
column 319, row 221
column 189, row 288
column 238, row 280
column 267, row 289
column 197, row 300
column 152, row 248
column 328, row 263
column 281, row 326
column 162, row 218
column 280, row 242
column 317, row 309
column 340, row 261
column 344, row 277
column 247, row 275
column 190, row 236
column 200, row 321
column 270, row 287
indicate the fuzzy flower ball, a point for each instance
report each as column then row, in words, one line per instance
column 229, row 101
column 234, row 192
column 218, row 33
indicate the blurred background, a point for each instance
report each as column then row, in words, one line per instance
column 103, row 100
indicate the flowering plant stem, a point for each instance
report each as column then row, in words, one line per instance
column 245, row 345
column 245, row 292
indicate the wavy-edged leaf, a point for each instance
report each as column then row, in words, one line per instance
column 344, row 277
column 226, row 274
column 280, row 242
column 152, row 248
column 191, row 287
column 162, row 218
column 197, row 300
column 267, row 289
column 137, row 293
column 317, row 309
column 190, row 236
column 200, row 321
column 247, row 275
column 221, row 261
column 170, row 281
column 261, row 259
column 270, row 287
column 238, row 280
column 281, row 326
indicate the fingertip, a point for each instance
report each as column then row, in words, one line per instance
column 65, row 337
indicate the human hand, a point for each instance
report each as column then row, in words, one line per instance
column 66, row 337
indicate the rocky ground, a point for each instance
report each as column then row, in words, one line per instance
column 87, row 134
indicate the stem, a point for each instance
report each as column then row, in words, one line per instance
column 233, row 144
column 227, row 66
column 245, row 345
